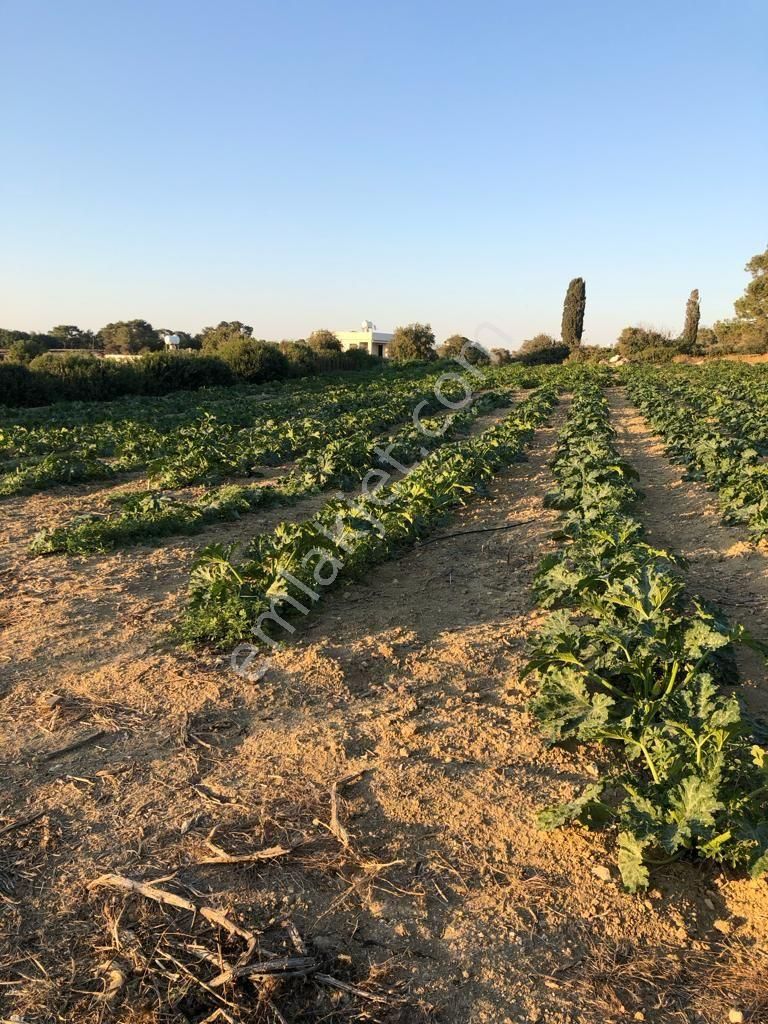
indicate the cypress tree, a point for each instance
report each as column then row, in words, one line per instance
column 573, row 313
column 692, row 317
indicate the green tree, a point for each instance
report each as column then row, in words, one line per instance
column 457, row 345
column 212, row 338
column 753, row 305
column 573, row 313
column 412, row 342
column 130, row 337
column 72, row 336
column 748, row 330
column 323, row 341
column 24, row 350
column 643, row 344
column 691, row 327
column 7, row 336
column 744, row 336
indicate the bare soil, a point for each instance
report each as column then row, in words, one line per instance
column 421, row 878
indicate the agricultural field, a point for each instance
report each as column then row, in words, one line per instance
column 408, row 696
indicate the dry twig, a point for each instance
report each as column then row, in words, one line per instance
column 75, row 745
column 222, row 857
column 171, row 899
column 343, row 986
column 337, row 829
column 21, row 822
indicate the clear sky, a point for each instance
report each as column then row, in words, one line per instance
column 296, row 164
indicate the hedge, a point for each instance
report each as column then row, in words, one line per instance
column 85, row 378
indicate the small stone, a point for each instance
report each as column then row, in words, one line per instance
column 723, row 927
column 735, row 1016
column 601, row 872
column 708, row 903
column 404, row 751
column 639, row 1015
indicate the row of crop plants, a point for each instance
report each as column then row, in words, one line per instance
column 735, row 395
column 719, row 437
column 228, row 438
column 340, row 463
column 101, row 428
column 629, row 659
column 233, row 590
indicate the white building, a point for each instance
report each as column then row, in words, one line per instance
column 171, row 341
column 375, row 343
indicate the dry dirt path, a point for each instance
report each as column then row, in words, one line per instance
column 683, row 516
column 445, row 892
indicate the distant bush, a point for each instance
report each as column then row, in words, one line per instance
column 542, row 349
column 301, row 358
column 355, row 359
column 21, row 386
column 739, row 337
column 458, row 346
column 591, row 354
column 24, row 350
column 646, row 345
column 86, row 378
column 81, row 376
column 500, row 356
column 655, row 354
column 254, row 361
column 181, row 371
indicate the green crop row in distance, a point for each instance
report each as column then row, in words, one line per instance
column 234, row 594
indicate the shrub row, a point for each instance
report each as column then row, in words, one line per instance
column 86, row 378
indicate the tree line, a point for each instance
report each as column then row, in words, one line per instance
column 234, row 339
column 745, row 333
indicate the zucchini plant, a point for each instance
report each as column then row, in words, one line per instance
column 232, row 590
column 720, row 440
column 628, row 659
column 340, row 463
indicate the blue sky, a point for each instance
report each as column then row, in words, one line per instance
column 295, row 164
